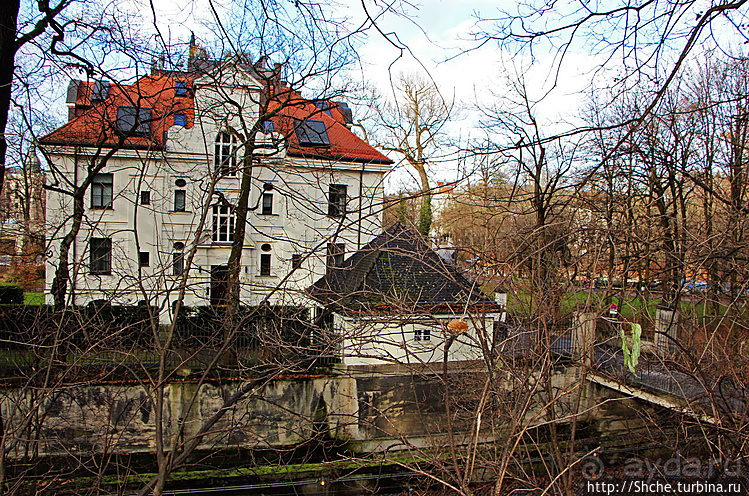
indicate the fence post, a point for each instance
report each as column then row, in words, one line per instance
column 583, row 336
column 666, row 329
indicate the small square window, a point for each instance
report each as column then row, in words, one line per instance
column 180, row 119
column 267, row 204
column 180, row 88
column 145, row 258
column 145, row 197
column 268, row 127
column 422, row 334
column 180, row 198
column 265, row 264
column 178, row 264
column 296, row 260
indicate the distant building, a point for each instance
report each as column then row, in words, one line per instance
column 22, row 204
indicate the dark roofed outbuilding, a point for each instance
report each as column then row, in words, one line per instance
column 398, row 271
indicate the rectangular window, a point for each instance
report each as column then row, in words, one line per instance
column 223, row 224
column 180, row 119
column 179, row 200
column 422, row 334
column 100, row 256
column 268, row 127
column 145, row 197
column 337, row 200
column 102, row 188
column 225, row 154
column 336, row 253
column 180, row 87
column 145, row 258
column 132, row 120
column 267, row 204
column 178, row 264
column 296, row 260
column 265, row 264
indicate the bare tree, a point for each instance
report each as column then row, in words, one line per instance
column 412, row 125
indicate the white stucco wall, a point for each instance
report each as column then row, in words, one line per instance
column 391, row 339
column 299, row 223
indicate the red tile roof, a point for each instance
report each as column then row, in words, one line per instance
column 95, row 124
column 344, row 144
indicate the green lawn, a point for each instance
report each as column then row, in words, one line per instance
column 631, row 308
column 33, row 298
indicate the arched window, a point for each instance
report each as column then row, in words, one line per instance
column 225, row 157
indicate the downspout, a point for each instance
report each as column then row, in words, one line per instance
column 358, row 235
column 75, row 238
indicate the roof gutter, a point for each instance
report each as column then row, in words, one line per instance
column 155, row 147
column 343, row 158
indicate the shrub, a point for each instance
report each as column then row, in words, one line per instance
column 11, row 294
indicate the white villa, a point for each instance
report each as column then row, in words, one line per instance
column 163, row 157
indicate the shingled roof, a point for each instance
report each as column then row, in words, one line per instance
column 398, row 272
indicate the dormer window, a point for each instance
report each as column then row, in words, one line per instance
column 180, row 88
column 311, row 133
column 324, row 105
column 99, row 92
column 225, row 157
column 132, row 120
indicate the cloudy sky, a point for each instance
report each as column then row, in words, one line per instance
column 436, row 38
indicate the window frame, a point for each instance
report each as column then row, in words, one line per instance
column 134, row 120
column 269, row 210
column 225, row 154
column 182, row 117
column 336, row 255
column 178, row 263
column 265, row 264
column 180, row 87
column 337, row 200
column 296, row 261
column 311, row 133
column 100, row 256
column 99, row 92
column 99, row 189
column 223, row 216
column 180, row 193
column 422, row 334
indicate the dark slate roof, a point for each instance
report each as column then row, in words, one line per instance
column 398, row 271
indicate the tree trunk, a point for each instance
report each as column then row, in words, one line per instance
column 8, row 47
